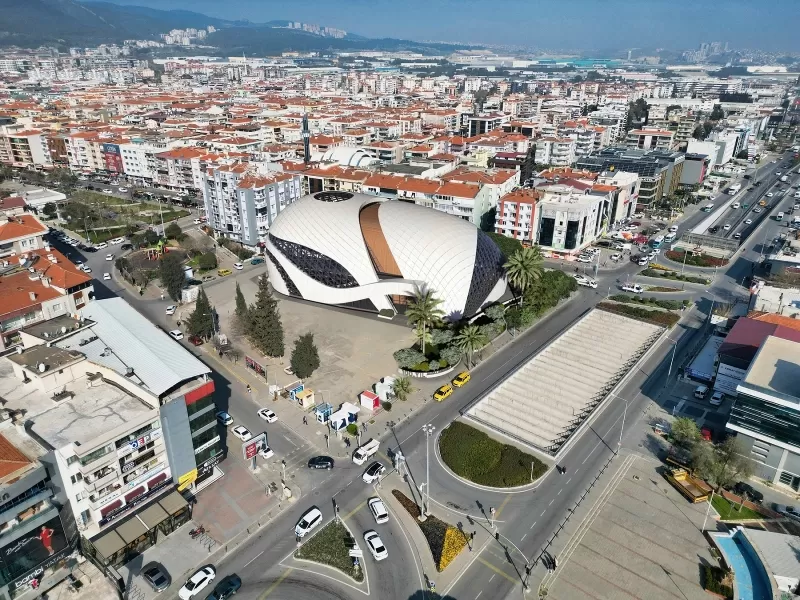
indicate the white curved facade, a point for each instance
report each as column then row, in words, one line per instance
column 340, row 248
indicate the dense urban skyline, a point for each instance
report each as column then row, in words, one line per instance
column 568, row 24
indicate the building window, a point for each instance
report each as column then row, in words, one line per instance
column 319, row 267
column 76, row 478
column 487, row 272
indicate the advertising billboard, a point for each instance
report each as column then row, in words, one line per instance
column 32, row 549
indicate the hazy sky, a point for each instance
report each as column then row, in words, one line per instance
column 599, row 24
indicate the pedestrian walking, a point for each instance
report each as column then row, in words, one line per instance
column 249, row 389
column 305, row 420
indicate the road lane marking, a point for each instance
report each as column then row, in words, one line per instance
column 568, row 480
column 559, row 492
column 255, row 557
column 551, row 502
column 492, row 577
column 278, row 581
column 534, row 524
column 544, row 511
column 489, row 565
column 522, row 539
column 354, row 511
column 479, row 595
column 502, row 506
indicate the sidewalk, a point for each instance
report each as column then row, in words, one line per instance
column 483, row 535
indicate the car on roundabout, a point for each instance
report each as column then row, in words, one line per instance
column 375, row 545
column 373, row 472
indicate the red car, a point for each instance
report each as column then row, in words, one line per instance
column 705, row 433
column 195, row 340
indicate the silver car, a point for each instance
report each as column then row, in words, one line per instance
column 156, row 575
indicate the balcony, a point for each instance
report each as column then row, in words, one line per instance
column 107, row 475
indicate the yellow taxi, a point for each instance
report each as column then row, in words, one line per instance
column 443, row 392
column 462, row 379
column 224, row 272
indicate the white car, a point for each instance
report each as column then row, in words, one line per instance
column 101, row 245
column 585, row 281
column 674, row 228
column 655, row 251
column 616, row 257
column 242, row 432
column 375, row 545
column 373, row 472
column 770, row 194
column 633, row 287
column 267, row 415
column 308, row 521
column 118, row 240
column 197, row 582
column 106, row 276
column 726, row 227
column 238, row 266
column 84, row 268
column 748, row 221
column 584, row 259
column 123, row 189
column 737, row 236
column 266, row 452
column 378, row 510
column 171, row 309
column 176, row 334
column 197, row 221
column 717, row 399
column 108, row 191
column 109, row 257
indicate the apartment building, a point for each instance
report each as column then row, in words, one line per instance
column 36, row 281
column 556, row 152
column 649, row 138
column 625, row 194
column 516, row 215
column 242, row 200
column 484, row 123
column 613, row 119
column 695, row 169
column 567, row 221
column 24, row 147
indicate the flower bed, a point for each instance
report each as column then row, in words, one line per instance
column 475, row 456
column 330, row 546
column 696, row 260
column 657, row 317
column 444, row 540
column 652, row 272
column 666, row 304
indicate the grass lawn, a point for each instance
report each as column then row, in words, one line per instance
column 329, row 547
column 475, row 456
column 728, row 511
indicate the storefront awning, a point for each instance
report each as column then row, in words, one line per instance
column 109, row 544
column 131, row 530
column 153, row 515
column 174, row 503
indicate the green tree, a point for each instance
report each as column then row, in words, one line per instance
column 727, row 463
column 402, row 388
column 469, row 340
column 201, row 321
column 207, row 261
column 64, row 178
column 173, row 231
column 441, row 337
column 513, row 319
column 407, row 358
column 305, row 357
column 487, row 219
column 170, row 271
column 242, row 312
column 524, row 267
column 450, row 354
column 685, row 432
column 506, row 245
column 50, row 210
column 717, row 114
column 266, row 329
column 497, row 313
column 424, row 312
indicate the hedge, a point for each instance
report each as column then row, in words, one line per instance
column 712, row 581
column 472, row 454
column 667, row 304
column 673, row 275
column 701, row 260
column 656, row 317
column 330, row 546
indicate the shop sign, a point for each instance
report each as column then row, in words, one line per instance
column 117, row 512
column 184, row 481
column 207, row 445
column 39, row 571
column 209, row 465
column 147, row 475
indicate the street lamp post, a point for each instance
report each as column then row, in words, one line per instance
column 428, row 430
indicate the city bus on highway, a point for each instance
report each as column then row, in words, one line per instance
column 708, row 208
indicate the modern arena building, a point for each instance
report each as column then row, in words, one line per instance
column 371, row 253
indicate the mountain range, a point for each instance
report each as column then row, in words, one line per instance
column 70, row 23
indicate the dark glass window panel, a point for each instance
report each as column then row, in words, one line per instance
column 285, row 276
column 487, row 271
column 319, row 267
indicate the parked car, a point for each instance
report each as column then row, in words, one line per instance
column 197, row 582
column 176, row 334
column 717, row 398
column 226, row 588
column 320, row 462
column 106, row 276
column 375, row 545
column 308, row 521
column 268, row 415
column 373, row 472
column 195, row 340
column 242, row 432
column 256, row 261
column 108, row 191
column 171, row 309
column 745, row 489
column 238, row 266
column 787, row 511
column 616, row 257
column 156, row 576
column 461, row 379
column 224, row 418
column 378, row 510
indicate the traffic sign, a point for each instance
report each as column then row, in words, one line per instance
column 251, row 447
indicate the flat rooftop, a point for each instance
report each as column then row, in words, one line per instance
column 56, row 327
column 776, row 367
column 93, row 409
column 45, row 359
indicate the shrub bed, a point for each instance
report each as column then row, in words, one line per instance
column 331, row 546
column 715, row 581
column 667, row 304
column 696, row 260
column 661, row 288
column 445, row 541
column 657, row 317
column 650, row 272
column 475, row 456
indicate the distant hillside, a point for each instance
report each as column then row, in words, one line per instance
column 68, row 23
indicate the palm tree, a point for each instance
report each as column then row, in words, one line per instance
column 469, row 340
column 424, row 311
column 402, row 388
column 524, row 267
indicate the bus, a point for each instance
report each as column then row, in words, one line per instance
column 657, row 241
column 734, row 189
column 779, row 217
column 670, row 237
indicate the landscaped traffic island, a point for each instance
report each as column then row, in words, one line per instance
column 331, row 546
column 473, row 455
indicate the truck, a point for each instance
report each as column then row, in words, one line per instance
column 363, row 452
column 734, row 189
column 694, row 489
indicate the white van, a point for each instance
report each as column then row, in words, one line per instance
column 362, row 453
column 308, row 521
column 700, row 392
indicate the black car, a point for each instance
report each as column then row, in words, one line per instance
column 156, row 575
column 226, row 588
column 745, row 489
column 126, row 247
column 320, row 462
column 713, row 229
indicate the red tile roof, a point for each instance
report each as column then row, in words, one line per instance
column 21, row 226
column 11, row 459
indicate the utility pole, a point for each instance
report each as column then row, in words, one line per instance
column 428, row 429
column 622, row 428
column 492, row 512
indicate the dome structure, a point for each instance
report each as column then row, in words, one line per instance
column 357, row 250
